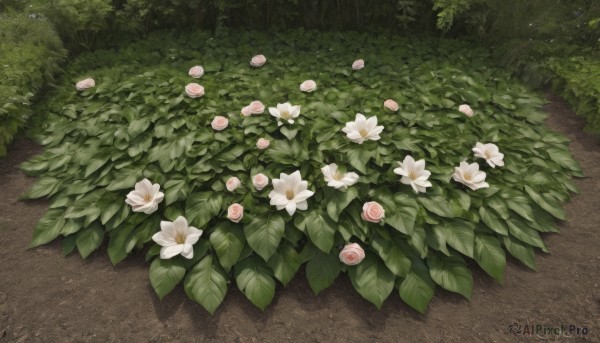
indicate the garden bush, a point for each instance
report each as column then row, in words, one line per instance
column 30, row 56
column 203, row 147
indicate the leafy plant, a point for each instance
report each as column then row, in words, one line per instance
column 30, row 55
column 138, row 123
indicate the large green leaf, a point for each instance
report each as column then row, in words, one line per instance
column 460, row 235
column 89, row 239
column 392, row 255
column 322, row 270
column 285, row 263
column 228, row 241
column 417, row 288
column 321, row 230
column 339, row 200
column 490, row 256
column 48, row 228
column 372, row 280
column 451, row 273
column 254, row 279
column 200, row 208
column 206, row 284
column 521, row 251
column 165, row 275
column 264, row 234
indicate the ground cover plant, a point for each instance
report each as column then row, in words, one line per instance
column 215, row 157
column 30, row 55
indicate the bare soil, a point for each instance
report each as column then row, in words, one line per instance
column 45, row 297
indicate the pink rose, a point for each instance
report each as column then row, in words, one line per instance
column 466, row 109
column 235, row 212
column 219, row 123
column 256, row 107
column 85, row 84
column 260, row 181
column 194, row 90
column 246, row 111
column 352, row 254
column 358, row 64
column 258, row 61
column 391, row 105
column 372, row 212
column 196, row 72
column 263, row 143
column 233, row 183
column 308, row 86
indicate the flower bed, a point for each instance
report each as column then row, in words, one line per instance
column 391, row 160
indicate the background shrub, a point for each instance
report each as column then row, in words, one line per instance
column 31, row 54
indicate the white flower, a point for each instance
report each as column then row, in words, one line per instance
column 258, row 61
column 363, row 129
column 470, row 176
column 177, row 238
column 285, row 112
column 414, row 174
column 290, row 192
column 490, row 153
column 336, row 179
column 466, row 109
column 146, row 197
column 308, row 86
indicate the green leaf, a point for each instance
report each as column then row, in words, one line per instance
column 520, row 251
column 418, row 288
column 451, row 273
column 228, row 241
column 438, row 205
column 564, row 158
column 254, row 279
column 165, row 275
column 200, row 208
column 68, row 245
column 490, row 256
column 44, row 186
column 372, row 280
column 492, row 221
column 338, row 201
column 322, row 270
column 459, row 234
column 117, row 243
column 89, row 239
column 48, row 228
column 392, row 256
column 548, row 204
column 176, row 189
column 285, row 263
column 264, row 234
column 525, row 233
column 402, row 217
column 359, row 158
column 206, row 284
column 522, row 208
column 320, row 230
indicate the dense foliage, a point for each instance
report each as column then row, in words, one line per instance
column 137, row 122
column 30, row 55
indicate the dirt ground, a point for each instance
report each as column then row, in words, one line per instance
column 47, row 298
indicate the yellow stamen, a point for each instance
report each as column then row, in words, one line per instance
column 285, row 115
column 467, row 176
column 412, row 175
column 179, row 238
column 338, row 176
column 289, row 194
column 363, row 133
column 147, row 197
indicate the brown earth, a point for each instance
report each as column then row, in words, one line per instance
column 47, row 298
